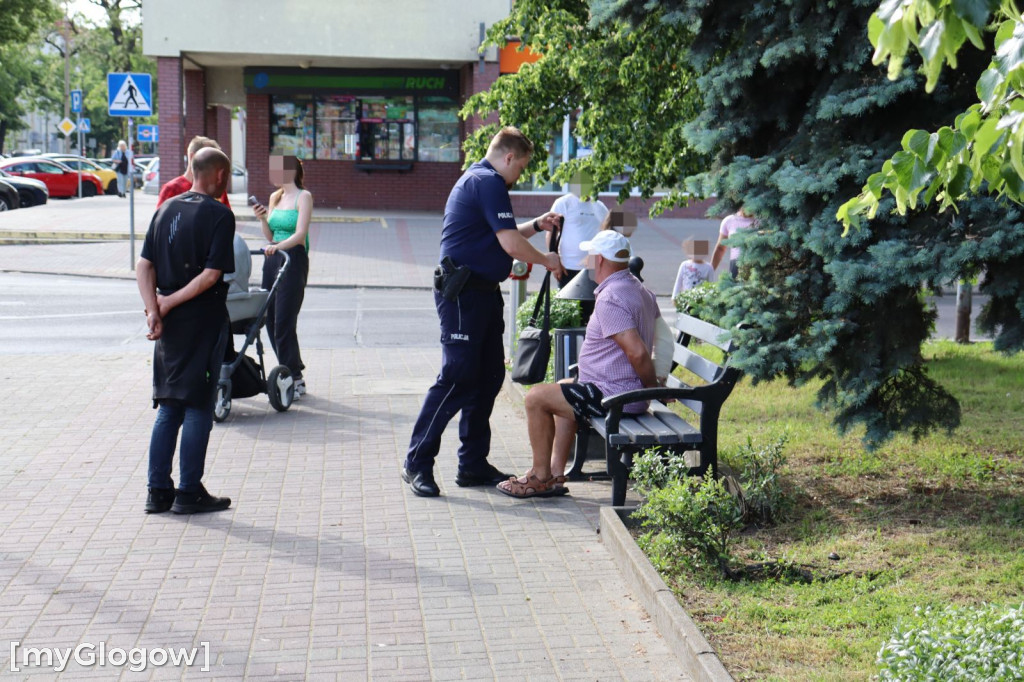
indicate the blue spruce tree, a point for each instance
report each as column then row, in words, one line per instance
column 796, row 118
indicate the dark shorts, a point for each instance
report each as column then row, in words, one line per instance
column 585, row 399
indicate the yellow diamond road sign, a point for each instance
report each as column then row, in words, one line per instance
column 67, row 126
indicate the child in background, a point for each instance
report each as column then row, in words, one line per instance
column 694, row 270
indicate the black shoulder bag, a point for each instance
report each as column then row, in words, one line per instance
column 530, row 365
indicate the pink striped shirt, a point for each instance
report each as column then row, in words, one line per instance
column 622, row 303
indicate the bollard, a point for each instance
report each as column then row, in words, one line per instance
column 516, row 296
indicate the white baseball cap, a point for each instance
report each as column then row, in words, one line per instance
column 609, row 244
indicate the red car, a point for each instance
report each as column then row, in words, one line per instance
column 59, row 179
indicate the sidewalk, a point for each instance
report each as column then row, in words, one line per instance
column 326, row 566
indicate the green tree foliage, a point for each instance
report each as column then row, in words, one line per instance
column 114, row 44
column 23, row 18
column 19, row 24
column 626, row 87
column 983, row 149
column 797, row 117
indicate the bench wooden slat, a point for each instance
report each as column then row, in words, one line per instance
column 630, row 432
column 699, row 365
column 686, row 431
column 636, row 432
column 664, row 434
column 696, row 406
column 699, row 329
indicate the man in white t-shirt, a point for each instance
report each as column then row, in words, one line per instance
column 730, row 225
column 582, row 221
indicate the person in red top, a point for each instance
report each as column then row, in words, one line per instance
column 183, row 183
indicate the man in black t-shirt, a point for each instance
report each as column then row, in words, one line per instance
column 188, row 248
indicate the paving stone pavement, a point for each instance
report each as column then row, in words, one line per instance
column 325, row 567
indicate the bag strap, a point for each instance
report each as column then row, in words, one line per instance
column 545, row 296
column 545, row 287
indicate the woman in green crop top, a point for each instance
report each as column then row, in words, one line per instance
column 286, row 226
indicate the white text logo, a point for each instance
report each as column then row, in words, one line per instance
column 88, row 655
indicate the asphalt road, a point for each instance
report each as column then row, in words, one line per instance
column 45, row 314
column 51, row 314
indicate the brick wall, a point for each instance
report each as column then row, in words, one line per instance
column 472, row 82
column 195, row 106
column 210, row 122
column 222, row 129
column 169, row 146
column 257, row 145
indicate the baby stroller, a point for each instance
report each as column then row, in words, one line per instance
column 240, row 375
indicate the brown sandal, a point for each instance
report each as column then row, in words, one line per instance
column 532, row 487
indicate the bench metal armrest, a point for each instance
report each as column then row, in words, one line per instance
column 655, row 393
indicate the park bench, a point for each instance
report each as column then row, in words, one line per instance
column 626, row 435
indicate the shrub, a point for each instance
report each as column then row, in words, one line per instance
column 698, row 301
column 564, row 313
column 759, row 468
column 689, row 520
column 956, row 644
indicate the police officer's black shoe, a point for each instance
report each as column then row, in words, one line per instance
column 421, row 482
column 489, row 475
column 159, row 500
column 198, row 502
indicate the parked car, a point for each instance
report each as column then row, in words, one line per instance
column 106, row 175
column 239, row 180
column 60, row 180
column 30, row 192
column 151, row 178
column 138, row 168
column 8, row 197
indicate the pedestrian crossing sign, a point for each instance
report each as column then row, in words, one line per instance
column 129, row 94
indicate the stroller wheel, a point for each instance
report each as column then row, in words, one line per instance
column 222, row 404
column 280, row 388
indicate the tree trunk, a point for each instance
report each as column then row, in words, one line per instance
column 3, row 134
column 963, row 312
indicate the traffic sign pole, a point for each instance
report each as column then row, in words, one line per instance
column 130, row 94
column 76, row 108
column 78, row 122
column 131, row 195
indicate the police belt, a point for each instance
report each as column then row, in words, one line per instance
column 480, row 284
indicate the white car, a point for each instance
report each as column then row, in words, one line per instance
column 151, row 177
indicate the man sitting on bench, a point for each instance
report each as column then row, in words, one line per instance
column 615, row 357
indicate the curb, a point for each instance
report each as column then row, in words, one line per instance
column 58, row 236
column 679, row 631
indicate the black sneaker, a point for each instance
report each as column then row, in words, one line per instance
column 198, row 502
column 489, row 476
column 159, row 500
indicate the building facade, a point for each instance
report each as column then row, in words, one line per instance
column 366, row 93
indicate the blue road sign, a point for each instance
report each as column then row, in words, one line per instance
column 129, row 94
column 149, row 133
column 76, row 101
column 85, row 125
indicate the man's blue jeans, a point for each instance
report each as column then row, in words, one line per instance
column 195, row 425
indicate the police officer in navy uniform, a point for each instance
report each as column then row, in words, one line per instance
column 479, row 240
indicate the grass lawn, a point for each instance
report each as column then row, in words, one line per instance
column 931, row 523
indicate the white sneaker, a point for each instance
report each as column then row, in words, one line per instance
column 300, row 389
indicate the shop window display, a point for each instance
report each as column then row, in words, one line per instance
column 368, row 129
column 291, row 127
column 439, row 129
